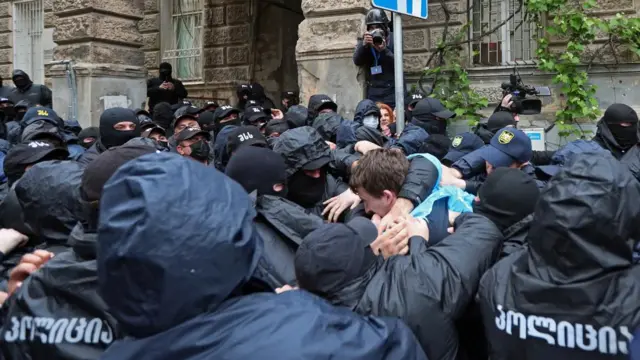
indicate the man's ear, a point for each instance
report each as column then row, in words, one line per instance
column 389, row 196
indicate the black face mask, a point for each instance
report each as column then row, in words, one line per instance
column 165, row 75
column 20, row 115
column 200, row 150
column 10, row 113
column 117, row 137
column 625, row 136
column 87, row 145
column 305, row 190
column 164, row 145
column 21, row 83
column 431, row 124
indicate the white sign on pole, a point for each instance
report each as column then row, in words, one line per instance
column 417, row 8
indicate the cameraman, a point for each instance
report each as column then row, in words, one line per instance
column 374, row 52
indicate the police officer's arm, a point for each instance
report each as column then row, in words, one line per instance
column 540, row 158
column 152, row 89
column 420, row 181
column 179, row 88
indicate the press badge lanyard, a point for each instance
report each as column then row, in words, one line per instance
column 376, row 69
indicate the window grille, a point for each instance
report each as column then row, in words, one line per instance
column 512, row 43
column 183, row 47
column 28, row 29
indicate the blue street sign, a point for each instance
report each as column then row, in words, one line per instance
column 417, row 8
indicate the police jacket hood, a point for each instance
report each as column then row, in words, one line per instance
column 218, row 255
column 141, row 283
column 220, row 149
column 364, row 108
column 296, row 116
column 300, row 146
column 588, row 214
column 49, row 194
column 327, row 125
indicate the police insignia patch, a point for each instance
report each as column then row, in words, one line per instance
column 505, row 137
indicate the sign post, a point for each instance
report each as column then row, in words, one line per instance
column 416, row 8
column 399, row 71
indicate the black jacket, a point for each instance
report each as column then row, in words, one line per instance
column 630, row 157
column 5, row 91
column 57, row 313
column 432, row 286
column 515, row 236
column 282, row 225
column 33, row 93
column 381, row 87
column 157, row 95
column 92, row 153
column 573, row 293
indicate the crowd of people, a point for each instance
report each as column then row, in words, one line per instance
column 251, row 231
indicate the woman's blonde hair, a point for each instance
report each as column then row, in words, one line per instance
column 383, row 106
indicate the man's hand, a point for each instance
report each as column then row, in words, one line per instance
column 394, row 241
column 400, row 209
column 364, row 146
column 11, row 239
column 448, row 178
column 507, row 101
column 277, row 114
column 367, row 39
column 28, row 264
column 337, row 204
column 452, row 171
column 169, row 85
column 332, row 146
column 418, row 227
column 453, row 215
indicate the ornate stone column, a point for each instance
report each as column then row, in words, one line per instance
column 327, row 40
column 102, row 40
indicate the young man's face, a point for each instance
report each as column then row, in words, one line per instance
column 377, row 205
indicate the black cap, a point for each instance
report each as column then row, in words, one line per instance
column 5, row 100
column 251, row 103
column 147, row 132
column 255, row 113
column 620, row 113
column 462, row 145
column 186, row 111
column 21, row 155
column 189, row 133
column 44, row 113
column 276, row 126
column 499, row 120
column 245, row 136
column 333, row 255
column 224, row 111
column 412, row 99
column 431, row 106
column 100, row 170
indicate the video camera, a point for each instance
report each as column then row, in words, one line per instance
column 521, row 104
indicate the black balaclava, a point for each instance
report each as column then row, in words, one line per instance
column 22, row 83
column 506, row 197
column 625, row 136
column 165, row 71
column 9, row 112
column 109, row 136
column 90, row 132
column 163, row 115
column 500, row 120
column 258, row 169
column 206, row 121
column 305, row 190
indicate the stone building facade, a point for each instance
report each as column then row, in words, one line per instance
column 305, row 45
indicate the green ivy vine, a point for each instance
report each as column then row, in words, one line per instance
column 580, row 36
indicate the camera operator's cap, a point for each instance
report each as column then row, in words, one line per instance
column 463, row 144
column 562, row 157
column 189, row 133
column 507, row 146
column 245, row 136
column 431, row 106
column 620, row 113
column 224, row 111
column 255, row 113
column 334, row 255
